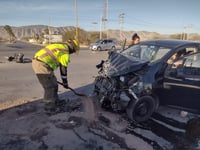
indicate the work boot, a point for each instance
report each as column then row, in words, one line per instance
column 60, row 102
column 52, row 111
column 63, row 105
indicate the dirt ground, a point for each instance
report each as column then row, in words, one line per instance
column 84, row 125
column 24, row 125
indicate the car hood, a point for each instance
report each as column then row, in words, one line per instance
column 120, row 64
column 91, row 44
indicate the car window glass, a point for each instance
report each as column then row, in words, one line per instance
column 190, row 50
column 192, row 65
column 161, row 52
column 182, row 52
column 133, row 51
column 187, row 67
column 99, row 41
column 147, row 52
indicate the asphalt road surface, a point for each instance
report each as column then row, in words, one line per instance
column 18, row 81
column 168, row 129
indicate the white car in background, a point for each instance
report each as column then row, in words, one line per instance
column 103, row 44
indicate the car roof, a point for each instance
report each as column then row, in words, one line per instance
column 107, row 39
column 170, row 42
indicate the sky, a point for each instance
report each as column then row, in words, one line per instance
column 162, row 16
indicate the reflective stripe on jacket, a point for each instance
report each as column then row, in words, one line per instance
column 53, row 55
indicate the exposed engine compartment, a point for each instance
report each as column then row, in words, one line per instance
column 116, row 91
column 121, row 85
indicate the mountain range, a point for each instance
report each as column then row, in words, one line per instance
column 31, row 30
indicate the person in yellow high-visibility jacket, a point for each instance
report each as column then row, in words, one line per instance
column 45, row 61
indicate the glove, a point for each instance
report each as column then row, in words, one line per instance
column 65, row 85
column 100, row 65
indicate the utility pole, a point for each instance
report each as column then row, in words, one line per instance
column 189, row 27
column 121, row 23
column 49, row 31
column 186, row 32
column 100, row 27
column 105, row 18
column 76, row 19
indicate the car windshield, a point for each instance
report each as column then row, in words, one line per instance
column 98, row 41
column 147, row 52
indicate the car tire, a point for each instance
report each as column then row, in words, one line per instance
column 142, row 109
column 99, row 48
column 157, row 102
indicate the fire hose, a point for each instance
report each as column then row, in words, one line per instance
column 78, row 94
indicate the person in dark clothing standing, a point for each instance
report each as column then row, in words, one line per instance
column 135, row 40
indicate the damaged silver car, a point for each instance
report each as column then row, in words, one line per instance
column 152, row 73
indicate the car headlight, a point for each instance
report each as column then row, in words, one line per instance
column 122, row 78
column 137, row 86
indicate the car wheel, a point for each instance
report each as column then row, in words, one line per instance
column 99, row 48
column 142, row 109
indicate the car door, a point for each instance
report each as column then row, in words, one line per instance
column 104, row 44
column 110, row 44
column 181, row 86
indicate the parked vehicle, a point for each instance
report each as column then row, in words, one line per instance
column 144, row 76
column 103, row 44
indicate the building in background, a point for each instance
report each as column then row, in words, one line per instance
column 52, row 38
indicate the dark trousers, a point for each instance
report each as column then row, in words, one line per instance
column 48, row 81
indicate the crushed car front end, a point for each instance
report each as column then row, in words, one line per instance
column 127, row 80
column 121, row 84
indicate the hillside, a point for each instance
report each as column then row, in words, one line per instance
column 30, row 31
